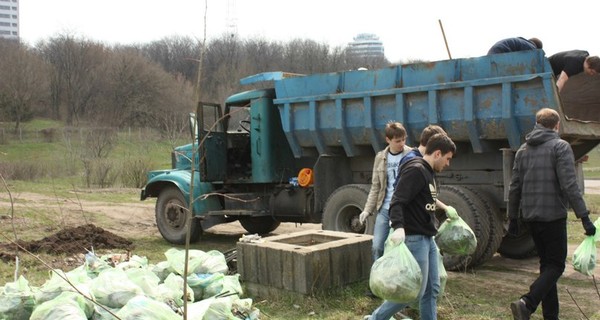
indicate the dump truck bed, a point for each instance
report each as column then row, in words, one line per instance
column 487, row 102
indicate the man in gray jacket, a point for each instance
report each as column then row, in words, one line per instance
column 543, row 182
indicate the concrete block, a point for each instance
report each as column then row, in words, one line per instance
column 306, row 261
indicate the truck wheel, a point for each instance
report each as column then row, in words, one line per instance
column 472, row 210
column 343, row 208
column 260, row 225
column 171, row 217
column 496, row 218
column 518, row 247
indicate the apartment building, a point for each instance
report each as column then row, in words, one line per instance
column 9, row 19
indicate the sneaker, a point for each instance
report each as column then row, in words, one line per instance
column 519, row 310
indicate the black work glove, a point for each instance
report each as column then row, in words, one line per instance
column 513, row 227
column 589, row 227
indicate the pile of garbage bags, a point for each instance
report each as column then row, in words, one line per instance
column 135, row 289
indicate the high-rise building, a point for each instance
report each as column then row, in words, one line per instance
column 366, row 45
column 9, row 19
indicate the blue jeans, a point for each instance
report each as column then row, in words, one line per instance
column 381, row 232
column 425, row 252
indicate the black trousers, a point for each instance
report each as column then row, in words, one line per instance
column 550, row 240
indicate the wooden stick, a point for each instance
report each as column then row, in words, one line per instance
column 445, row 41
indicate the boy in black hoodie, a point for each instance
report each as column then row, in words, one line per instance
column 412, row 216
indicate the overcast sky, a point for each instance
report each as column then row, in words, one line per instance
column 408, row 29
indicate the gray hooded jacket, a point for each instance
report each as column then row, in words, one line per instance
column 544, row 179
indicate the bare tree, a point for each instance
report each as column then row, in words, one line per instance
column 138, row 92
column 260, row 55
column 175, row 54
column 23, row 82
column 77, row 67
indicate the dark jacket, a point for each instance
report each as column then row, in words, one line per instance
column 544, row 179
column 571, row 62
column 413, row 202
column 511, row 45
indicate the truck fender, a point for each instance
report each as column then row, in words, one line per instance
column 181, row 180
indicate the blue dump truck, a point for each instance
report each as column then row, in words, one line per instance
column 301, row 147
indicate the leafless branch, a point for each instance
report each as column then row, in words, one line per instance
column 12, row 218
column 189, row 213
column 12, row 206
column 206, row 195
column 575, row 301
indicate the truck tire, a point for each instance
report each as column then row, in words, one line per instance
column 171, row 217
column 259, row 225
column 344, row 206
column 496, row 218
column 472, row 210
column 518, row 247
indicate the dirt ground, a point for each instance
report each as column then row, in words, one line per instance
column 84, row 224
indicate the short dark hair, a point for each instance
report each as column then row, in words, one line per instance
column 440, row 142
column 593, row 62
column 547, row 118
column 538, row 43
column 394, row 130
column 428, row 132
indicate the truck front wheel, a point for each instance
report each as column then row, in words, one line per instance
column 172, row 218
column 343, row 208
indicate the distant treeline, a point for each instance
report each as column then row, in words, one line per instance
column 81, row 81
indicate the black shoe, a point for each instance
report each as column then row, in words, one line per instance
column 519, row 310
column 370, row 294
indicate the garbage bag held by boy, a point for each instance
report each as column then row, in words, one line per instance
column 455, row 237
column 396, row 276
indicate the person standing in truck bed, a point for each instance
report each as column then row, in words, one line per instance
column 566, row 64
column 515, row 44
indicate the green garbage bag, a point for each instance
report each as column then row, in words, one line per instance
column 16, row 300
column 442, row 273
column 67, row 306
column 396, row 276
column 141, row 307
column 113, row 288
column 212, row 309
column 455, row 237
column 584, row 257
